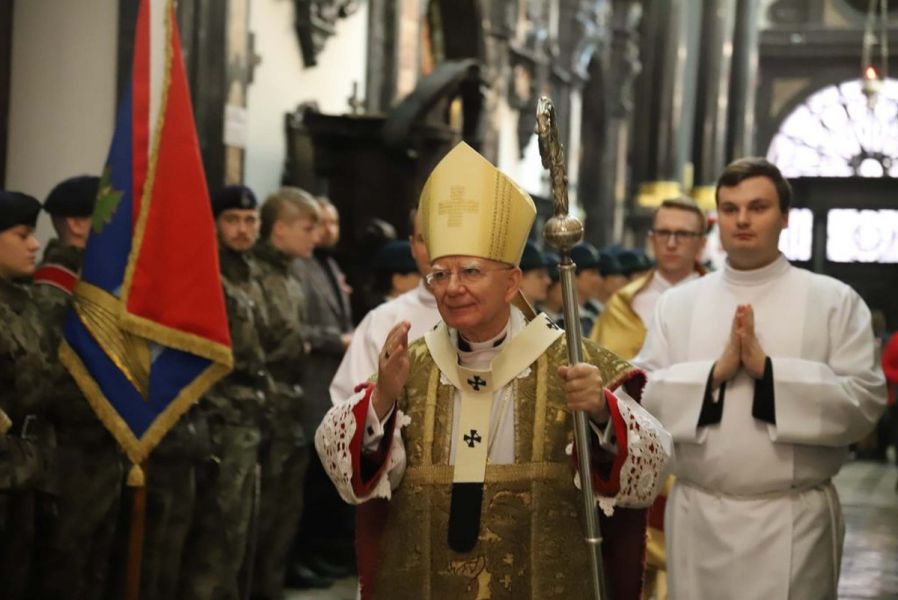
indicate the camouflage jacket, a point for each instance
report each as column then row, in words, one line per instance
column 27, row 449
column 74, row 419
column 283, row 338
column 238, row 398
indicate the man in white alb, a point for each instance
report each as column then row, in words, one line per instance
column 417, row 306
column 764, row 374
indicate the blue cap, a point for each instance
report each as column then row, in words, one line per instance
column 396, row 257
column 585, row 256
column 629, row 261
column 609, row 263
column 532, row 258
column 645, row 263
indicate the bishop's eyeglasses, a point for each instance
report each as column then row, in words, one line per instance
column 679, row 235
column 439, row 278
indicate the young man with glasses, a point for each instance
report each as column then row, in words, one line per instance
column 465, row 431
column 764, row 374
column 677, row 238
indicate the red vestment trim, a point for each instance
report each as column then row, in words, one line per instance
column 364, row 479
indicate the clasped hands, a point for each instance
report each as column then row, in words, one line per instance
column 742, row 349
column 583, row 386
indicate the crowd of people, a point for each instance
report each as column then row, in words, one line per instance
column 268, row 480
column 235, row 480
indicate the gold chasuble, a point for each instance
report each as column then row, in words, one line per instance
column 529, row 542
column 471, row 530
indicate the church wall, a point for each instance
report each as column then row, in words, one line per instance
column 281, row 82
column 62, row 93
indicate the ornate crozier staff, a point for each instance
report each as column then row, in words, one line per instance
column 563, row 231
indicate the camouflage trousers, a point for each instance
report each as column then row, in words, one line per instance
column 75, row 555
column 17, row 539
column 21, row 470
column 217, row 542
column 284, row 465
column 170, row 493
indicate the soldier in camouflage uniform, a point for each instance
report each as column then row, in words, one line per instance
column 218, row 537
column 80, row 531
column 26, row 441
column 171, row 472
column 171, row 494
column 289, row 230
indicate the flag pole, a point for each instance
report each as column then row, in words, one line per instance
column 564, row 231
column 136, row 531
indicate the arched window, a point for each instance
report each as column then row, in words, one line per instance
column 835, row 134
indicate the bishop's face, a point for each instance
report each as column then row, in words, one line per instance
column 474, row 294
column 750, row 222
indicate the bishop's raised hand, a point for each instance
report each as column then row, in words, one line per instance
column 392, row 369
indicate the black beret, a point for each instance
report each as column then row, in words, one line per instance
column 609, row 262
column 17, row 209
column 74, row 197
column 629, row 261
column 645, row 263
column 233, row 196
column 585, row 256
column 532, row 258
column 552, row 261
column 396, row 257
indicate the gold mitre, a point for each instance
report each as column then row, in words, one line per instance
column 470, row 208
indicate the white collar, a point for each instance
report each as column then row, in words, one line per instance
column 659, row 281
column 756, row 276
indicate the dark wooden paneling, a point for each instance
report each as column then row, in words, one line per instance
column 6, row 13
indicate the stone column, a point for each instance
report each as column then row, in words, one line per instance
column 743, row 82
column 623, row 66
column 667, row 93
column 709, row 150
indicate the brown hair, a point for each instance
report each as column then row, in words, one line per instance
column 683, row 203
column 755, row 166
column 288, row 203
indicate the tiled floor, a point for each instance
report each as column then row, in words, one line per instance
column 870, row 561
column 870, row 504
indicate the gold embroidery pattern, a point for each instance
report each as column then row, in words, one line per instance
column 530, row 528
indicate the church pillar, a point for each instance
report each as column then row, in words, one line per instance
column 709, row 150
column 381, row 75
column 581, row 31
column 743, row 82
column 607, row 107
column 622, row 67
column 667, row 93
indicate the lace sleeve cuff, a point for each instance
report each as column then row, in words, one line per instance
column 360, row 476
